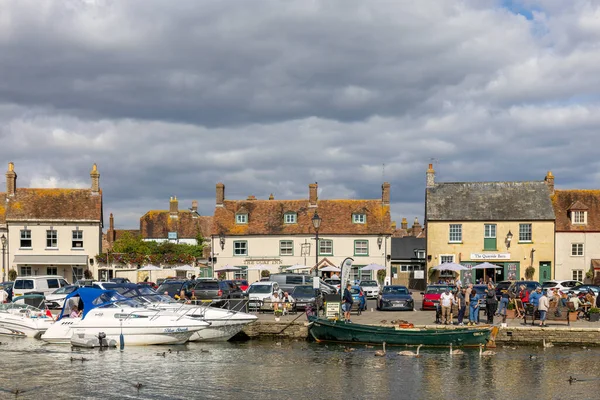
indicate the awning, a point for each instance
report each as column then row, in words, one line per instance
column 50, row 259
column 596, row 263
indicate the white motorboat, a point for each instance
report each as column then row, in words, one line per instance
column 24, row 317
column 224, row 324
column 108, row 312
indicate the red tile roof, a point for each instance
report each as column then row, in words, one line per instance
column 157, row 224
column 564, row 201
column 51, row 204
column 265, row 217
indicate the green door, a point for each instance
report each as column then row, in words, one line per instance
column 545, row 271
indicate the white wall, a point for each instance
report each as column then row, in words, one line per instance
column 565, row 262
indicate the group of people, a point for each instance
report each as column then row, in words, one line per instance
column 285, row 303
column 467, row 298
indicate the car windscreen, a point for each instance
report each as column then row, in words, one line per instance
column 260, row 289
column 303, row 291
column 548, row 284
column 207, row 285
column 24, row 284
column 368, row 283
column 435, row 290
column 169, row 287
column 394, row 290
column 354, row 291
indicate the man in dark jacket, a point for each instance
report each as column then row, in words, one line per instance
column 347, row 302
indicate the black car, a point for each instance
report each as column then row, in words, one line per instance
column 215, row 290
column 395, row 298
column 173, row 287
column 305, row 295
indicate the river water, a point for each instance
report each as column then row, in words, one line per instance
column 293, row 370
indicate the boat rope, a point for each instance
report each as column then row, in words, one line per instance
column 288, row 325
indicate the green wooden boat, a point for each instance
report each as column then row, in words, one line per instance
column 323, row 330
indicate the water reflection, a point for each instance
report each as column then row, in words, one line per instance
column 292, row 370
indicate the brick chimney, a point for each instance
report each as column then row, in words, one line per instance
column 404, row 224
column 111, row 230
column 95, row 175
column 11, row 180
column 271, row 197
column 550, row 181
column 174, row 207
column 251, row 197
column 194, row 206
column 430, row 176
column 220, row 194
column 416, row 228
column 312, row 194
column 385, row 193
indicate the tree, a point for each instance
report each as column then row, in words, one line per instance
column 12, row 275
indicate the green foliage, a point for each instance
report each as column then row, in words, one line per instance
column 511, row 306
column 87, row 274
column 265, row 274
column 131, row 249
column 222, row 275
column 529, row 271
column 594, row 310
column 381, row 275
column 12, row 275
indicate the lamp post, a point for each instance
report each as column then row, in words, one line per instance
column 3, row 240
column 508, row 239
column 316, row 221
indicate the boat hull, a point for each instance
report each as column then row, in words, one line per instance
column 334, row 331
column 24, row 326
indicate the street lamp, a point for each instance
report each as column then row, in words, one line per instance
column 222, row 240
column 316, row 221
column 3, row 240
column 508, row 239
column 379, row 241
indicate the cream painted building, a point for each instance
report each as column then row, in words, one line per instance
column 509, row 224
column 277, row 234
column 52, row 231
column 577, row 233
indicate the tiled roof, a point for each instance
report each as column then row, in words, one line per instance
column 404, row 248
column 489, row 201
column 158, row 223
column 265, row 217
column 563, row 201
column 52, row 204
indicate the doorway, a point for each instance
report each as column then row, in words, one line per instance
column 545, row 271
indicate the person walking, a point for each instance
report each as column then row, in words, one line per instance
column 491, row 303
column 468, row 297
column 543, row 305
column 446, row 300
column 473, row 308
column 347, row 303
column 462, row 305
column 504, row 299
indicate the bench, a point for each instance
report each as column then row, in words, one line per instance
column 268, row 306
column 552, row 315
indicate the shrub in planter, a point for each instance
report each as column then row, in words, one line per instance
column 510, row 311
column 594, row 314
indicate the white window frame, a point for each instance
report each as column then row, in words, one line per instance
column 525, row 235
column 239, row 250
column 290, row 218
column 364, row 249
column 77, row 237
column 449, row 258
column 359, row 218
column 577, row 275
column 51, row 239
column 579, row 217
column 455, row 233
column 577, row 250
column 241, row 219
column 286, row 247
column 421, row 254
column 489, row 231
column 325, row 244
column 23, row 236
column 78, row 273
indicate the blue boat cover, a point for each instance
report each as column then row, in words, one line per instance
column 91, row 298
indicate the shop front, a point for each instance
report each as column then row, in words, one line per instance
column 506, row 268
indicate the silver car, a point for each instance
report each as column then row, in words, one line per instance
column 371, row 288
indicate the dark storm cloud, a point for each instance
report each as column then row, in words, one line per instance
column 268, row 96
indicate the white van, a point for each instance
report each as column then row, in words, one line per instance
column 258, row 292
column 45, row 284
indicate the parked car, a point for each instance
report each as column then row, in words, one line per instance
column 287, row 282
column 217, row 291
column 563, row 286
column 482, row 292
column 395, row 298
column 259, row 291
column 120, row 280
column 371, row 288
column 8, row 287
column 84, row 282
column 44, row 284
column 151, row 284
column 583, row 289
column 530, row 286
column 305, row 295
column 333, row 282
column 358, row 296
column 432, row 293
column 57, row 298
column 502, row 287
column 173, row 287
column 242, row 283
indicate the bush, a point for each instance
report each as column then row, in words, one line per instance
column 594, row 310
column 12, row 275
column 265, row 274
column 511, row 306
column 529, row 271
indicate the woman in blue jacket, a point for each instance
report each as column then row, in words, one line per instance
column 474, row 308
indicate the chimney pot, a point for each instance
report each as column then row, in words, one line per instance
column 404, row 224
column 251, row 197
column 195, row 205
column 385, row 193
column 174, row 207
column 220, row 194
column 416, row 228
column 95, row 175
column 271, row 197
column 550, row 181
column 430, row 176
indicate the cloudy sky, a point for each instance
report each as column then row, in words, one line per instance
column 267, row 96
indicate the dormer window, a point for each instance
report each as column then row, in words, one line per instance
column 290, row 218
column 241, row 218
column 359, row 218
column 579, row 217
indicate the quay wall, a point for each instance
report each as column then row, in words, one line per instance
column 509, row 335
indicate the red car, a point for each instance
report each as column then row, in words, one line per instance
column 151, row 284
column 242, row 284
column 431, row 296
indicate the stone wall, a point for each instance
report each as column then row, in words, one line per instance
column 535, row 335
column 281, row 330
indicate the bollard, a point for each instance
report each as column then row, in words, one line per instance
column 371, row 309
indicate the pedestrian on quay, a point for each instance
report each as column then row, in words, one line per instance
column 462, row 306
column 446, row 300
column 524, row 295
column 468, row 296
column 504, row 299
column 473, row 308
column 491, row 303
column 534, row 297
column 543, row 305
column 347, row 303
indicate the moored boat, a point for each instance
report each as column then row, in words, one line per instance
column 323, row 330
column 21, row 317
